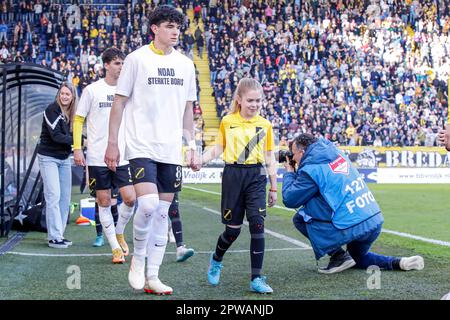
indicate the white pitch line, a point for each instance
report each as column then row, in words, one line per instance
column 272, row 233
column 397, row 233
column 109, row 254
column 58, row 254
column 203, row 190
column 411, row 236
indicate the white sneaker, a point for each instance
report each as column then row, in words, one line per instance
column 412, row 263
column 184, row 253
column 136, row 276
column 155, row 286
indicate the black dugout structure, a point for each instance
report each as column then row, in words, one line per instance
column 26, row 90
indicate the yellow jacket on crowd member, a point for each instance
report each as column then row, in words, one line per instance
column 85, row 23
column 93, row 33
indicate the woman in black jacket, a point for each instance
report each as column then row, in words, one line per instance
column 54, row 149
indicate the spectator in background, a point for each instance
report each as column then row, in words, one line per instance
column 200, row 44
column 53, row 151
column 18, row 58
column 3, row 31
column 353, row 60
column 4, row 53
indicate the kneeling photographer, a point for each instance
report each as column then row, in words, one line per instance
column 336, row 207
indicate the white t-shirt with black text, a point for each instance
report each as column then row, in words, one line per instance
column 95, row 105
column 157, row 87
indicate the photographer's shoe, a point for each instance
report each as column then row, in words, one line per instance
column 412, row 263
column 338, row 263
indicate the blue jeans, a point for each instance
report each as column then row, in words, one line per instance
column 57, row 178
column 358, row 248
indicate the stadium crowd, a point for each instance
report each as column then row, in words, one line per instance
column 47, row 33
column 356, row 72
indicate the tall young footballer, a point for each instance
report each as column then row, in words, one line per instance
column 95, row 105
column 154, row 95
column 246, row 141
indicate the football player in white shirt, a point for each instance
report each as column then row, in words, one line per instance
column 95, row 105
column 155, row 93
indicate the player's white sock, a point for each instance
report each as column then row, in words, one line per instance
column 107, row 222
column 157, row 239
column 125, row 214
column 147, row 205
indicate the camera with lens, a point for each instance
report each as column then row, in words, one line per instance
column 285, row 156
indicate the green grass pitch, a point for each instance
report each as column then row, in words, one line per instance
column 421, row 210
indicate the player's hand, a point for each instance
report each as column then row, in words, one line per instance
column 272, row 198
column 288, row 167
column 78, row 157
column 193, row 159
column 112, row 156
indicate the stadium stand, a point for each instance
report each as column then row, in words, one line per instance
column 356, row 72
column 70, row 38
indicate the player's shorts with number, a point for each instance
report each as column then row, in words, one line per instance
column 166, row 176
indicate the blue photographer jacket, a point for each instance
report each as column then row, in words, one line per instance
column 336, row 204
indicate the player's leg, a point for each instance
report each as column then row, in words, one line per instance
column 101, row 179
column 114, row 204
column 168, row 182
column 143, row 173
column 255, row 205
column 98, row 242
column 122, row 178
column 232, row 216
column 170, row 235
column 183, row 253
column 107, row 221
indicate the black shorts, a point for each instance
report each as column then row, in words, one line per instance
column 101, row 178
column 114, row 192
column 166, row 176
column 243, row 193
